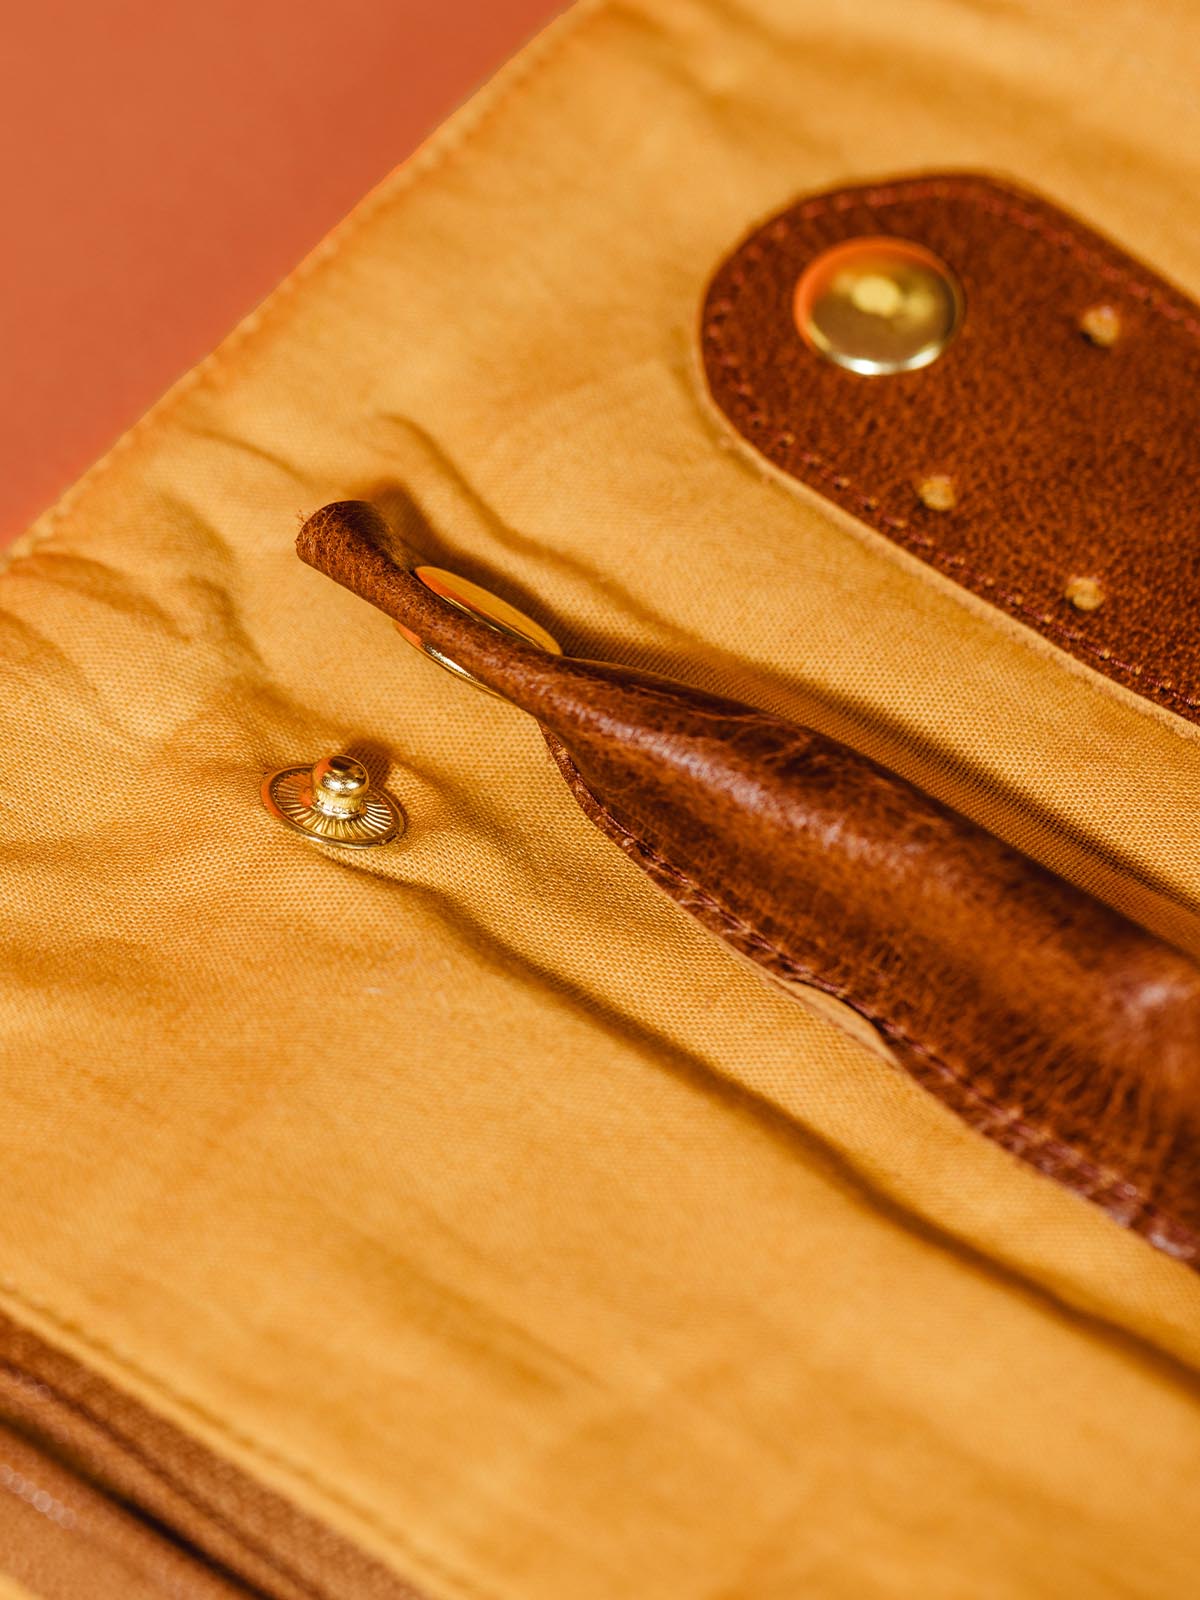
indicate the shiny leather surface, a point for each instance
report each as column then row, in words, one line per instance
column 1051, row 1023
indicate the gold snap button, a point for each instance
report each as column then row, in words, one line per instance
column 485, row 607
column 878, row 305
column 333, row 802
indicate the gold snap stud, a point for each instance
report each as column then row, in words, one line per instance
column 878, row 305
column 333, row 803
column 485, row 607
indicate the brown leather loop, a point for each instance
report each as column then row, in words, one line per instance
column 1040, row 1015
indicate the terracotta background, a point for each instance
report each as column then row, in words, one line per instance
column 162, row 165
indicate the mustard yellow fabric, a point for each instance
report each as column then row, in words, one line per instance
column 465, row 1190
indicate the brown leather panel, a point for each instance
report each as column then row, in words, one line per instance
column 1069, row 459
column 63, row 1540
column 146, row 1498
column 1043, row 1017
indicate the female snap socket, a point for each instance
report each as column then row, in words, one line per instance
column 485, row 607
column 878, row 305
column 333, row 803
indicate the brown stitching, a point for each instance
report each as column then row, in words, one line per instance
column 177, row 1486
column 1103, row 1176
column 1101, row 1185
column 1087, row 255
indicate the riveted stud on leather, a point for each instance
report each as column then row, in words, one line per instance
column 1085, row 594
column 1101, row 325
column 1060, row 470
column 878, row 305
column 937, row 492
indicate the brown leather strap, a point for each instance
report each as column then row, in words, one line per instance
column 100, row 1497
column 1043, row 1017
column 1067, row 458
column 62, row 1539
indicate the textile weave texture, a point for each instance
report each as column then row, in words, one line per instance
column 466, row 1191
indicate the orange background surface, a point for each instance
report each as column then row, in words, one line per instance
column 162, row 166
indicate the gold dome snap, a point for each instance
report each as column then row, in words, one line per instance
column 878, row 305
column 485, row 607
column 333, row 802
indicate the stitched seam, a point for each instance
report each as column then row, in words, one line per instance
column 138, row 1453
column 1100, row 1184
column 223, row 1427
column 544, row 49
column 83, row 1526
column 1089, row 255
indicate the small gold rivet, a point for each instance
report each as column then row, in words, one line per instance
column 333, row 803
column 339, row 787
column 937, row 492
column 877, row 305
column 1085, row 594
column 1101, row 325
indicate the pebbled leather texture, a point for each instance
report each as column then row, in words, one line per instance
column 142, row 1510
column 1041, row 1016
column 1072, row 461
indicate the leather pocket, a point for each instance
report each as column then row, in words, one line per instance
column 1041, row 1016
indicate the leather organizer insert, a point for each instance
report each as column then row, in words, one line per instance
column 1042, row 1017
column 1070, row 459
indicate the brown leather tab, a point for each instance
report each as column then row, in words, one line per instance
column 1042, row 1017
column 1059, row 428
column 102, row 1498
column 62, row 1539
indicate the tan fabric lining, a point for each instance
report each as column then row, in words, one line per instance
column 596, row 1266
column 1019, row 526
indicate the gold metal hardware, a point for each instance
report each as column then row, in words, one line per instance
column 878, row 305
column 1101, row 325
column 485, row 607
column 333, row 803
column 937, row 492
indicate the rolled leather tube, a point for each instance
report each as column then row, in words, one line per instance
column 1042, row 1016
